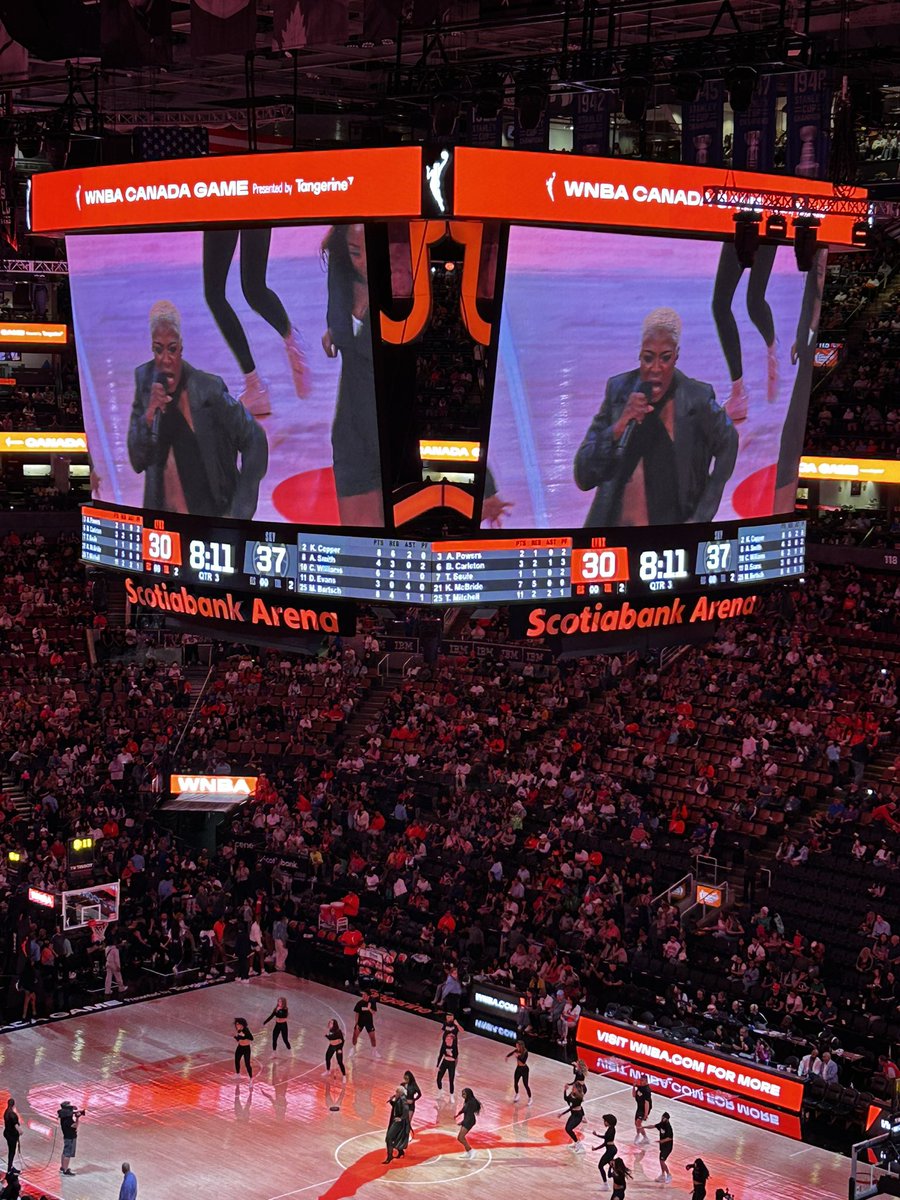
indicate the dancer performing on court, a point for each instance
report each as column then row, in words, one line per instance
column 365, row 1019
column 243, row 1037
column 11, row 1131
column 643, row 1100
column 280, row 1028
column 574, row 1098
column 335, row 1036
column 610, row 1150
column 620, row 1176
column 397, row 1137
column 666, row 1142
column 469, row 1113
column 447, row 1058
column 699, row 1175
column 579, row 1074
column 413, row 1093
column 219, row 246
column 727, row 278
column 521, row 1072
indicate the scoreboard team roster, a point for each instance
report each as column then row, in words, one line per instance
column 252, row 557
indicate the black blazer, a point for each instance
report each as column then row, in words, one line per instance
column 706, row 445
column 223, row 429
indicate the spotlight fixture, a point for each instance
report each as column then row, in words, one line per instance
column 686, row 85
column 635, row 93
column 805, row 242
column 860, row 234
column 531, row 103
column 776, row 226
column 746, row 237
column 444, row 113
column 741, row 84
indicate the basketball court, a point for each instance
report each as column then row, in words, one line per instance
column 157, row 1081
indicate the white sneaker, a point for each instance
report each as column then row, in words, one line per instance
column 470, row 1154
column 515, row 1099
column 530, row 1101
column 255, row 396
column 579, row 1148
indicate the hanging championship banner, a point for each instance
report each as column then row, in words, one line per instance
column 532, row 139
column 808, row 123
column 753, row 146
column 701, row 126
column 486, row 131
column 590, row 123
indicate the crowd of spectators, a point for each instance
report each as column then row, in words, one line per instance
column 507, row 823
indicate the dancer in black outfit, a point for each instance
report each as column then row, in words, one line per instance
column 666, row 1142
column 610, row 1150
column 397, row 1136
column 579, row 1074
column 727, row 278
column 447, row 1058
column 643, row 1100
column 243, row 1037
column 365, row 1009
column 699, row 1175
column 413, row 1093
column 335, row 1036
column 620, row 1176
column 521, row 1072
column 469, row 1112
column 219, row 246
column 574, row 1098
column 11, row 1131
column 280, row 1028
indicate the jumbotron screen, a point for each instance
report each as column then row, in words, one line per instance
column 228, row 372
column 649, row 380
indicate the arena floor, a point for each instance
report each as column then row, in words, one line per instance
column 158, row 1085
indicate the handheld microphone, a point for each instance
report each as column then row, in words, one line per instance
column 646, row 389
column 158, row 377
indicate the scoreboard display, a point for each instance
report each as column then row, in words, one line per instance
column 295, row 560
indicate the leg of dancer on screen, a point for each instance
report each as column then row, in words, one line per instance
column 219, row 246
column 354, row 432
column 728, row 276
column 802, row 353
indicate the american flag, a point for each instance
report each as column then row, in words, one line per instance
column 155, row 142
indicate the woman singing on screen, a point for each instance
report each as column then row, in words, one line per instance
column 354, row 432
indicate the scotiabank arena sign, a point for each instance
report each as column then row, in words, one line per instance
column 700, row 1095
column 692, row 1062
column 236, row 611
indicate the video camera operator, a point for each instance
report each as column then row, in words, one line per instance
column 69, row 1116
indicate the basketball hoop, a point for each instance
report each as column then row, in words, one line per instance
column 98, row 931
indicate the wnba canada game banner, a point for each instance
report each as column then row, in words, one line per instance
column 234, row 610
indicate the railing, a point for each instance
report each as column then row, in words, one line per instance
column 864, row 1175
column 190, row 717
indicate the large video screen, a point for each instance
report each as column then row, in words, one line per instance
column 228, row 373
column 648, row 380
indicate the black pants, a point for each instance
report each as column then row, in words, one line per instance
column 330, row 1054
column 699, row 1192
column 448, row 1069
column 608, row 1155
column 575, row 1119
column 218, row 251
column 521, row 1073
column 12, row 1145
column 280, row 1031
column 728, row 276
column 242, row 1054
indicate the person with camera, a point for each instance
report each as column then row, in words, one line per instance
column 69, row 1116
